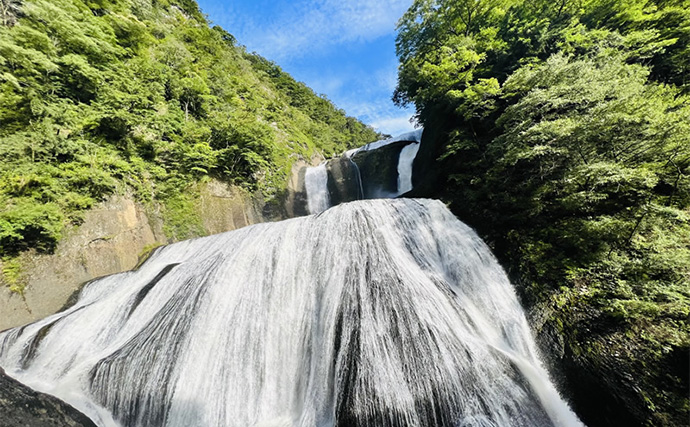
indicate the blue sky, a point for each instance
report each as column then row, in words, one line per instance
column 344, row 49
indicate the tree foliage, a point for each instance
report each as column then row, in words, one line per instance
column 104, row 96
column 562, row 133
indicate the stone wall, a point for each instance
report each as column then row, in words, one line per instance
column 110, row 240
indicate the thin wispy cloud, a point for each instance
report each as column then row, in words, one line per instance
column 394, row 125
column 366, row 94
column 382, row 116
column 341, row 48
column 310, row 25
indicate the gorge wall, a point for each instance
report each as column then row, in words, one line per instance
column 381, row 169
column 118, row 233
column 113, row 238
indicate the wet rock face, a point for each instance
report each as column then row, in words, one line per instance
column 110, row 240
column 343, row 181
column 382, row 169
column 379, row 170
column 21, row 406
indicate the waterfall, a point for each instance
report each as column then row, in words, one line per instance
column 316, row 185
column 413, row 136
column 407, row 155
column 358, row 179
column 373, row 313
column 381, row 169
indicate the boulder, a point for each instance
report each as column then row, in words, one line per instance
column 20, row 406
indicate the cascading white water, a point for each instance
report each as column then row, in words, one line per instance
column 374, row 313
column 358, row 179
column 316, row 185
column 414, row 136
column 381, row 188
column 405, row 162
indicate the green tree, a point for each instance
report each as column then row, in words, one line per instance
column 560, row 131
column 104, row 96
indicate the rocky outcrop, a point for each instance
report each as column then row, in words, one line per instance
column 368, row 172
column 379, row 170
column 293, row 202
column 224, row 207
column 21, row 406
column 425, row 169
column 296, row 194
column 344, row 183
column 110, row 240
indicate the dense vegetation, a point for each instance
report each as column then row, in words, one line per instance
column 142, row 97
column 562, row 133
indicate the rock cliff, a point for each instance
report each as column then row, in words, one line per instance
column 112, row 238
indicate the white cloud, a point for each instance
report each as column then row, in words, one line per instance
column 365, row 94
column 299, row 35
column 313, row 25
column 394, row 125
column 381, row 114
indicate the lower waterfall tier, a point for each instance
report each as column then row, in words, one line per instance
column 372, row 313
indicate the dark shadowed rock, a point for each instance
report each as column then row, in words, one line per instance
column 21, row 406
column 343, row 181
column 379, row 170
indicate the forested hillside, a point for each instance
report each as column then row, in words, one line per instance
column 142, row 97
column 562, row 133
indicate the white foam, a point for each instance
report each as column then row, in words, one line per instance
column 374, row 312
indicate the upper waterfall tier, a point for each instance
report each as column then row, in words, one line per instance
column 381, row 169
column 414, row 136
column 373, row 313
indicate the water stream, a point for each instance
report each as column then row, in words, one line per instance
column 405, row 161
column 316, row 178
column 373, row 313
column 316, row 186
